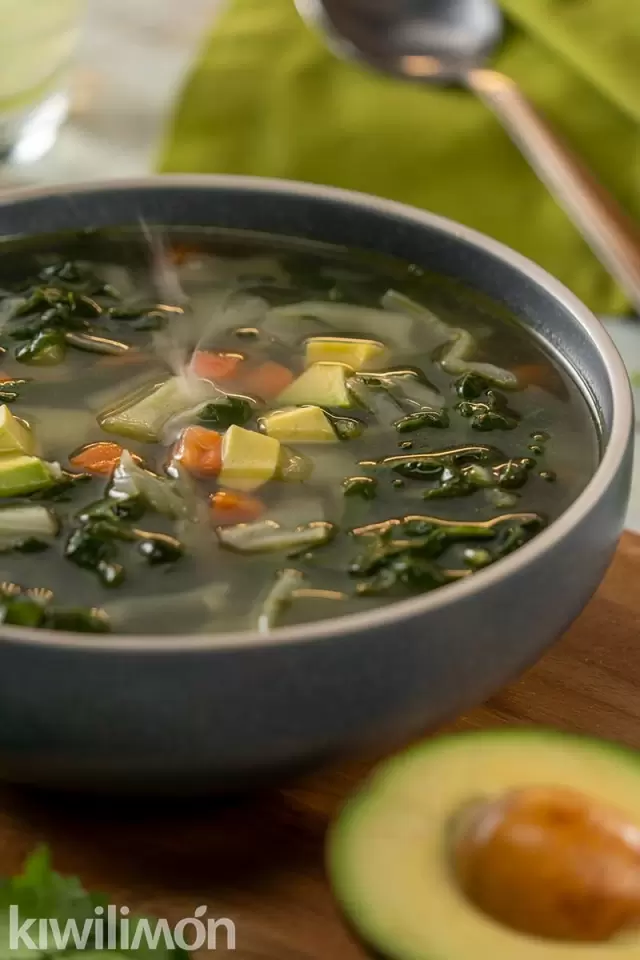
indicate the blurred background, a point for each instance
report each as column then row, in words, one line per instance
column 131, row 60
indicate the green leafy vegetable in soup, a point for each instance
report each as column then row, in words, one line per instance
column 217, row 434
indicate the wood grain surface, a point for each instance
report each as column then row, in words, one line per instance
column 259, row 860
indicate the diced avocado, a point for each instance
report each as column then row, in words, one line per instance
column 249, row 459
column 322, row 384
column 21, row 475
column 545, row 814
column 358, row 354
column 300, row 425
column 142, row 418
column 15, row 437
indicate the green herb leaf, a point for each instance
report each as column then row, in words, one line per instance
column 408, row 555
column 21, row 611
column 31, row 545
column 423, row 418
column 132, row 509
column 47, row 349
column 347, row 428
column 471, row 386
column 9, row 391
column 426, row 469
column 41, row 893
column 225, row 412
column 62, row 488
column 364, row 487
column 77, row 620
column 75, row 277
column 94, row 546
column 494, row 414
column 513, row 474
column 158, row 548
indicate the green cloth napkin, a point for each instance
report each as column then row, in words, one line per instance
column 267, row 98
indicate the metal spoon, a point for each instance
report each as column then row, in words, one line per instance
column 448, row 41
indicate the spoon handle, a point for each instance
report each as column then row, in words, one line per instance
column 612, row 236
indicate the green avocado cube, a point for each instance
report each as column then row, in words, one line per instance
column 249, row 459
column 22, row 475
column 300, row 425
column 15, row 437
column 321, row 384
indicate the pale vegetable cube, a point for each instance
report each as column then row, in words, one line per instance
column 322, row 384
column 300, row 425
column 15, row 437
column 249, row 459
column 359, row 354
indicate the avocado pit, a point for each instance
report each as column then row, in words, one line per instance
column 550, row 862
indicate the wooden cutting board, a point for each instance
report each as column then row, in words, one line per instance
column 259, row 861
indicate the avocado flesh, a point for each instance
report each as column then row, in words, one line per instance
column 388, row 853
column 301, row 425
column 15, row 437
column 249, row 459
column 21, row 475
column 321, row 385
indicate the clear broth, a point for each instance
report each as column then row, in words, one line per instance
column 62, row 401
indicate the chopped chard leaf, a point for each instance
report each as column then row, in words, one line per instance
column 421, row 419
column 364, row 487
column 159, row 548
column 225, row 412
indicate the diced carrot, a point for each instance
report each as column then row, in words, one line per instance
column 230, row 507
column 215, row 366
column 99, row 458
column 130, row 358
column 199, row 450
column 180, row 253
column 268, row 380
column 536, row 375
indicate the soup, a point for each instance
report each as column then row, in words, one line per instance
column 206, row 432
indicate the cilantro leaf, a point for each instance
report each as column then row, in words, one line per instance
column 40, row 893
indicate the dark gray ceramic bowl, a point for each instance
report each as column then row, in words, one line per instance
column 186, row 714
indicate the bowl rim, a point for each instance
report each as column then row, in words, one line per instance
column 400, row 610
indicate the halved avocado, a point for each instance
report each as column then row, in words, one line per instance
column 391, row 853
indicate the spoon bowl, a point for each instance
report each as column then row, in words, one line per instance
column 450, row 41
column 455, row 35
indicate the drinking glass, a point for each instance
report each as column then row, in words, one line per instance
column 37, row 42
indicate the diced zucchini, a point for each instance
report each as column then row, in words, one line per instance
column 21, row 475
column 300, row 425
column 143, row 419
column 15, row 437
column 249, row 459
column 27, row 520
column 359, row 354
column 322, row 384
column 266, row 536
